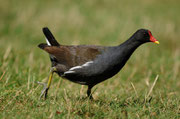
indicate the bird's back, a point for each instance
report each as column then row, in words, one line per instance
column 72, row 56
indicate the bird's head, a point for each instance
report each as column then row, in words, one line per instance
column 144, row 36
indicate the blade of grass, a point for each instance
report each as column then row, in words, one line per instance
column 134, row 89
column 151, row 89
column 2, row 75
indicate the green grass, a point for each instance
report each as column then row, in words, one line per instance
column 99, row 22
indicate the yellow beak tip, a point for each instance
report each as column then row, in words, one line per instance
column 157, row 42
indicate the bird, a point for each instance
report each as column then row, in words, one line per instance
column 89, row 64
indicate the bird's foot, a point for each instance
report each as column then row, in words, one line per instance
column 44, row 90
column 90, row 97
column 46, row 86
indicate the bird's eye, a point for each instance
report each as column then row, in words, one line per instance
column 146, row 34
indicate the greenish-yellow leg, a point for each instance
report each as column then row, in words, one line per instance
column 47, row 86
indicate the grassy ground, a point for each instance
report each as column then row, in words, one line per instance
column 133, row 93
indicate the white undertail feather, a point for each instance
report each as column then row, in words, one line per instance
column 47, row 42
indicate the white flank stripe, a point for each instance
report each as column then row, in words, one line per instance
column 47, row 42
column 76, row 67
column 79, row 67
column 87, row 63
column 69, row 72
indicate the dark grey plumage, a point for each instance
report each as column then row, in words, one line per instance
column 88, row 64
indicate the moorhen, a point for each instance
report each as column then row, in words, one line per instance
column 90, row 64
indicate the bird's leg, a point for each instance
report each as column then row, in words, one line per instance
column 89, row 93
column 47, row 86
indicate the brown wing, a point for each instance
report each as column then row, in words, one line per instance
column 71, row 56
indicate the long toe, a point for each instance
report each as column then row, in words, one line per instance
column 44, row 90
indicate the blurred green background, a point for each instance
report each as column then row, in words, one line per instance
column 96, row 22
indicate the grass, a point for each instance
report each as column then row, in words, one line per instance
column 135, row 92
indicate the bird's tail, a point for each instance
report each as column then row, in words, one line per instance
column 50, row 40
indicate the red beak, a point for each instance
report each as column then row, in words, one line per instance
column 152, row 39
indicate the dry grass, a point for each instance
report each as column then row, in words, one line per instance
column 147, row 87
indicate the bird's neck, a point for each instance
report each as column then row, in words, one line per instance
column 130, row 45
column 127, row 48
